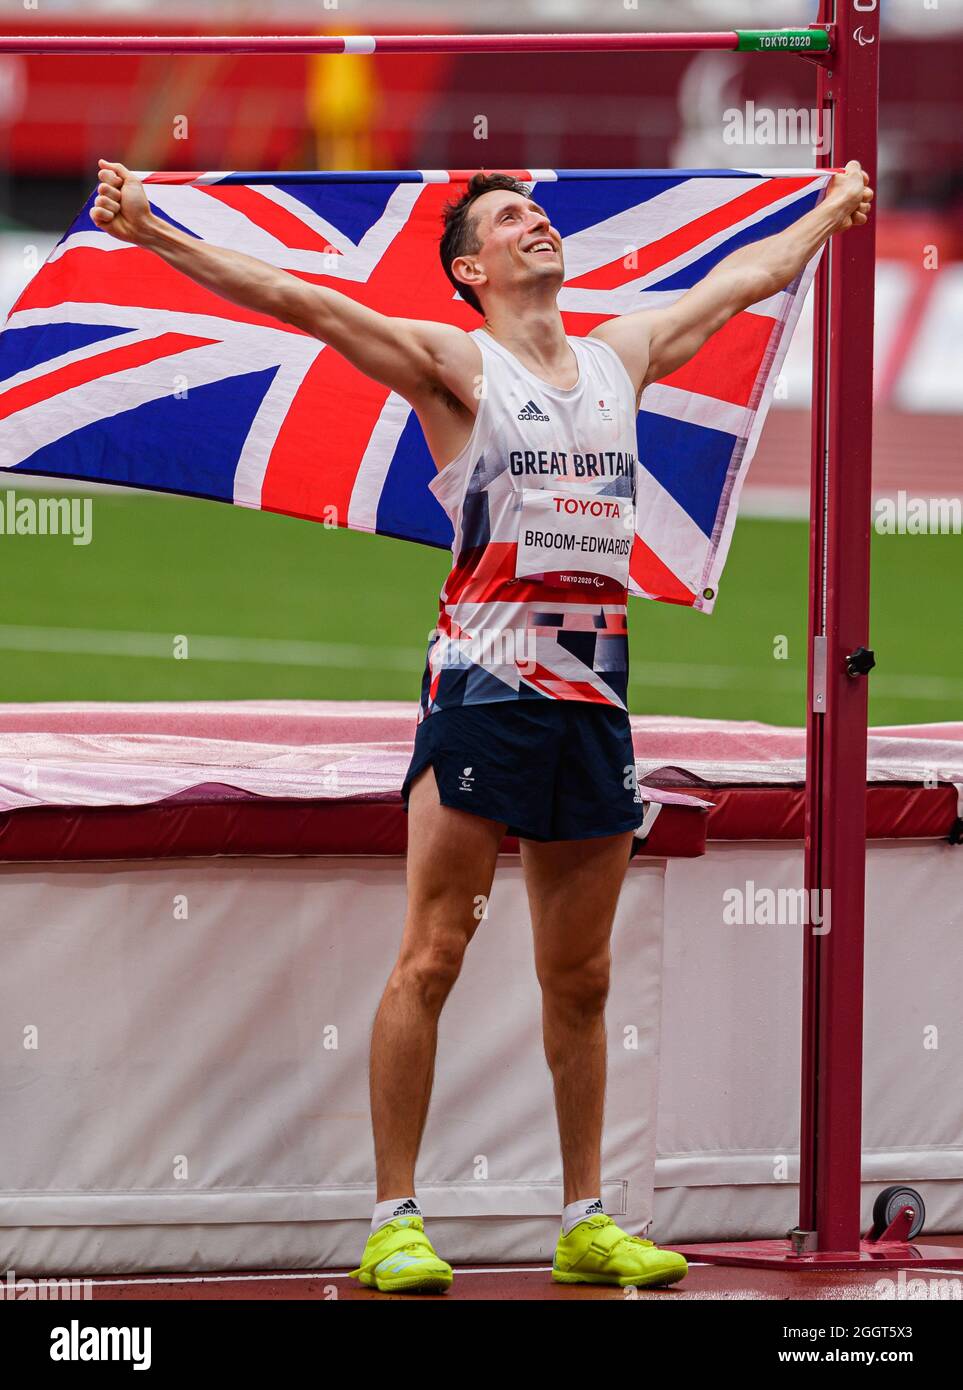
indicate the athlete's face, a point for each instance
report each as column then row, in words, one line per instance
column 518, row 244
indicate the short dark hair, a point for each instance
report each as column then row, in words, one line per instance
column 460, row 237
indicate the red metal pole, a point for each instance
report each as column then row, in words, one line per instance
column 741, row 40
column 841, row 501
column 815, row 707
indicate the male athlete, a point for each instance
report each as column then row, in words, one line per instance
column 523, row 725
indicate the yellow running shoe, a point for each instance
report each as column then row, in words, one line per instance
column 398, row 1258
column 599, row 1252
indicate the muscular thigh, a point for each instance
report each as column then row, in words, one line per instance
column 450, row 865
column 573, row 889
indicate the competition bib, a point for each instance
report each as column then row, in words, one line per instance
column 575, row 534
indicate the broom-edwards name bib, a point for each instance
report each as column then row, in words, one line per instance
column 572, row 534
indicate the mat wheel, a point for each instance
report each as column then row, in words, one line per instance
column 887, row 1205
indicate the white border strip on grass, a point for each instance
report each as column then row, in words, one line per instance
column 346, row 656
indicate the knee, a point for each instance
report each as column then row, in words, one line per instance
column 427, row 974
column 580, row 992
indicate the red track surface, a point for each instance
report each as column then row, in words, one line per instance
column 919, row 453
column 533, row 1282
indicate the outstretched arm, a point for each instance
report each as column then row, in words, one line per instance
column 655, row 342
column 411, row 356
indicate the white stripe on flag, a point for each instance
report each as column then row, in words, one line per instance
column 305, row 214
column 627, row 299
column 639, row 226
column 99, row 241
column 370, row 480
column 262, row 436
column 222, row 225
column 67, row 359
column 645, row 222
column 695, row 409
column 46, row 421
column 261, row 338
column 702, row 248
column 668, row 530
column 209, row 176
column 382, row 233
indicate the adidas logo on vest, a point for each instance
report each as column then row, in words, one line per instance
column 531, row 411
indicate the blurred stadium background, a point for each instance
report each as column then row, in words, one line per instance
column 278, row 608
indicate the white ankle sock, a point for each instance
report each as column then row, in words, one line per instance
column 581, row 1211
column 392, row 1209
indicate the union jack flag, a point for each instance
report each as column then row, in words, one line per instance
column 116, row 368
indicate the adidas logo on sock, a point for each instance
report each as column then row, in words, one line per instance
column 531, row 411
column 596, row 1209
column 407, row 1208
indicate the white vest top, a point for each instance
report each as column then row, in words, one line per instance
column 542, row 502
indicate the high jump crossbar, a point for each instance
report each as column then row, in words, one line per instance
column 810, row 41
column 844, row 46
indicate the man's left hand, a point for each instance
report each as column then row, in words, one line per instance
column 850, row 195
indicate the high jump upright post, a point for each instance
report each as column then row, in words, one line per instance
column 844, row 45
column 839, row 659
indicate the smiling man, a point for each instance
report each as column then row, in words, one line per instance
column 523, row 724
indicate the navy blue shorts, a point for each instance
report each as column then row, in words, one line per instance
column 550, row 770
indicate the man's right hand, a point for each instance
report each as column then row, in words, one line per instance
column 121, row 207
